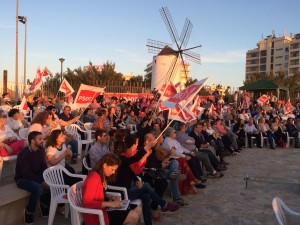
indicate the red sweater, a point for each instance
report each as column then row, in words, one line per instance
column 92, row 197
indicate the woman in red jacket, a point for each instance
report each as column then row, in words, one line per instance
column 93, row 195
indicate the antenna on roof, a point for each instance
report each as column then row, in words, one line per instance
column 273, row 32
column 262, row 35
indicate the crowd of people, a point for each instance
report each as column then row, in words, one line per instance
column 135, row 147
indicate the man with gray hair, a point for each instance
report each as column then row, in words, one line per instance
column 181, row 152
column 202, row 154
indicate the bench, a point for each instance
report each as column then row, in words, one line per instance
column 13, row 201
column 5, row 158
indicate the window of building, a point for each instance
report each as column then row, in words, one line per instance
column 279, row 57
column 279, row 64
column 279, row 49
column 286, row 49
column 286, row 65
column 286, row 57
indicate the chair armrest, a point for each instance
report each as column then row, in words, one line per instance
column 83, row 177
column 116, row 188
column 59, row 185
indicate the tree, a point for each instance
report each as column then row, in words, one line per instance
column 138, row 78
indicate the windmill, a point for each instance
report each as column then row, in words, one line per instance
column 167, row 59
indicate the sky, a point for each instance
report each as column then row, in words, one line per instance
column 117, row 31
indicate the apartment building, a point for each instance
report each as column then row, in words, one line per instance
column 274, row 54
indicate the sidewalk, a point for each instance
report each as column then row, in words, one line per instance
column 226, row 201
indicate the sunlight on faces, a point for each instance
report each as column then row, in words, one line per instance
column 109, row 170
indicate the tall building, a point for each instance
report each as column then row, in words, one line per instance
column 274, row 54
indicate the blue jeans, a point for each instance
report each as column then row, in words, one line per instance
column 74, row 147
column 145, row 194
column 36, row 189
column 173, row 167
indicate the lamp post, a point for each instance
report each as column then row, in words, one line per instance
column 23, row 19
column 17, row 58
column 61, row 69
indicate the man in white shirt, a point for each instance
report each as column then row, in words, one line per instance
column 251, row 131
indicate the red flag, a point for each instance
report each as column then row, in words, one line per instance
column 185, row 96
column 65, row 87
column 85, row 96
column 288, row 107
column 37, row 82
column 263, row 99
column 23, row 105
column 45, row 72
column 212, row 108
column 169, row 91
column 181, row 114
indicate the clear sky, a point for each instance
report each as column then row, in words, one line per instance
column 98, row 30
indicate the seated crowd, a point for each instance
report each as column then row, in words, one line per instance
column 132, row 149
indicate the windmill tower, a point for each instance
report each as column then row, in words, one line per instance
column 169, row 64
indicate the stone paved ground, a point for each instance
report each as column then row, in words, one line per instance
column 226, row 201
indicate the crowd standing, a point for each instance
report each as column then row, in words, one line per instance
column 130, row 150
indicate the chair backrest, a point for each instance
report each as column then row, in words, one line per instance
column 88, row 126
column 279, row 207
column 23, row 133
column 75, row 199
column 53, row 176
column 86, row 166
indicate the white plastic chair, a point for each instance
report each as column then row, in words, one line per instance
column 53, row 176
column 132, row 128
column 278, row 207
column 75, row 198
column 86, row 166
column 28, row 116
column 289, row 139
column 73, row 129
column 23, row 133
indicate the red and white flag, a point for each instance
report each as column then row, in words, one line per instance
column 37, row 82
column 212, row 108
column 168, row 91
column 66, row 88
column 177, row 86
column 85, row 95
column 245, row 100
column 181, row 114
column 196, row 106
column 185, row 96
column 45, row 72
column 288, row 107
column 23, row 105
column 263, row 99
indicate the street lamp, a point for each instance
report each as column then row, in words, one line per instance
column 61, row 70
column 23, row 19
column 17, row 58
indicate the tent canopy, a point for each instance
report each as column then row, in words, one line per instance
column 262, row 85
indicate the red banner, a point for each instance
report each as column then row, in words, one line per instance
column 128, row 96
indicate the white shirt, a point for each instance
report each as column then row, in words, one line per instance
column 170, row 143
column 250, row 129
column 53, row 151
column 14, row 124
column 7, row 133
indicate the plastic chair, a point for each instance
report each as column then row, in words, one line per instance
column 53, row 176
column 86, row 166
column 23, row 133
column 28, row 116
column 278, row 207
column 75, row 198
column 73, row 129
